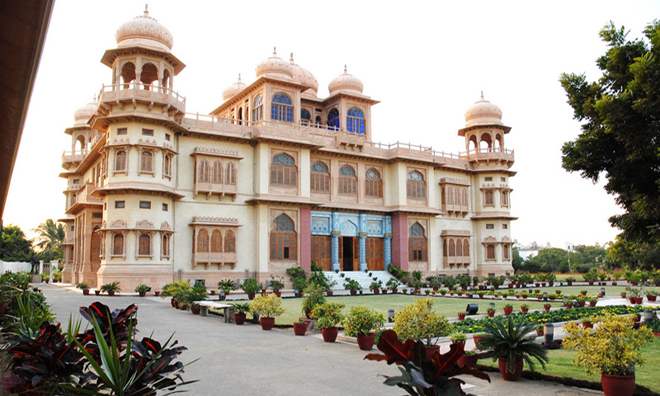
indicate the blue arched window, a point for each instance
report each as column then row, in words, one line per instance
column 281, row 109
column 333, row 119
column 320, row 178
column 258, row 112
column 283, row 171
column 355, row 121
column 305, row 117
column 347, row 181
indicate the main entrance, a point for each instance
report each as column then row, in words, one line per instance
column 375, row 254
column 349, row 254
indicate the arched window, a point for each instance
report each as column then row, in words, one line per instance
column 305, row 117
column 148, row 75
column 355, row 121
column 281, row 108
column 118, row 245
column 466, row 248
column 216, row 241
column 417, row 243
column 230, row 242
column 347, row 181
column 283, row 171
column 203, row 171
column 333, row 119
column 203, row 241
column 217, row 172
column 165, row 242
column 416, row 187
column 505, row 253
column 488, row 200
column 373, row 184
column 459, row 248
column 283, row 240
column 167, row 165
column 146, row 162
column 452, row 248
column 320, row 178
column 258, row 112
column 120, row 161
column 127, row 74
column 490, row 252
column 505, row 198
column 445, row 251
column 231, row 174
column 145, row 245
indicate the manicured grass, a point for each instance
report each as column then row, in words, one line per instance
column 560, row 365
column 449, row 307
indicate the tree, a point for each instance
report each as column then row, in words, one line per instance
column 633, row 255
column 620, row 136
column 15, row 247
column 50, row 237
column 518, row 261
column 547, row 260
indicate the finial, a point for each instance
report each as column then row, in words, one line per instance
column 239, row 77
column 345, row 70
column 482, row 95
column 291, row 60
column 146, row 10
column 274, row 51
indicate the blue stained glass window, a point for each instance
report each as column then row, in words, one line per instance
column 355, row 121
column 281, row 108
column 320, row 168
column 258, row 112
column 283, row 159
column 373, row 174
column 346, row 171
column 333, row 119
column 415, row 176
column 305, row 115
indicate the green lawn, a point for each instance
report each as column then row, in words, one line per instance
column 560, row 365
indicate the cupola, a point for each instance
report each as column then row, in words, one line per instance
column 275, row 67
column 347, row 83
column 483, row 113
column 144, row 31
column 305, row 77
column 233, row 89
column 83, row 114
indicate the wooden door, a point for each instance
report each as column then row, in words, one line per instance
column 341, row 253
column 321, row 251
column 375, row 254
column 356, row 254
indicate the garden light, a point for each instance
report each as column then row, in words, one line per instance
column 549, row 333
column 390, row 316
column 545, row 296
column 602, row 291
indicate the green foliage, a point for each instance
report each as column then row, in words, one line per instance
column 177, row 290
column 299, row 283
column 418, row 321
column 518, row 261
column 250, row 286
column 15, row 247
column 313, row 297
column 276, row 282
column 296, row 272
column 49, row 240
column 392, row 284
column 398, row 273
column 376, row 285
column 241, row 308
column 142, row 288
column 318, row 278
column 195, row 294
column 111, row 287
column 267, row 306
column 328, row 315
column 227, row 285
column 352, row 285
column 362, row 320
column 82, row 286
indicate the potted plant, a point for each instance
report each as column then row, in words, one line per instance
column 615, row 276
column 45, row 278
column 300, row 327
column 267, row 307
column 612, row 349
column 240, row 311
column 524, row 308
column 552, row 296
column 83, row 287
column 481, row 294
column 142, row 289
column 361, row 322
column 328, row 316
column 57, row 276
column 491, row 312
column 419, row 322
column 524, row 295
column 539, row 330
column 508, row 309
column 111, row 288
column 588, row 323
column 570, row 280
column 392, row 284
column 623, row 294
column 226, row 286
column 457, row 337
column 352, row 285
column 651, row 295
column 313, row 296
column 375, row 286
column 461, row 316
column 592, row 301
column 193, row 296
column 251, row 287
column 276, row 283
column 547, row 307
column 511, row 344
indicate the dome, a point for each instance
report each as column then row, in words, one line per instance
column 82, row 115
column 233, row 89
column 275, row 67
column 483, row 113
column 306, row 78
column 346, row 82
column 144, row 30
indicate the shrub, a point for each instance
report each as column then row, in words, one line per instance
column 352, row 285
column 82, row 286
column 328, row 315
column 276, row 282
column 418, row 321
column 362, row 320
column 251, row 286
column 313, row 297
column 111, row 287
column 142, row 288
column 267, row 306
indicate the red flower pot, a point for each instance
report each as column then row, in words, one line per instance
column 299, row 329
column 183, row 307
column 239, row 318
column 267, row 323
column 524, row 310
column 592, row 303
column 329, row 334
column 366, row 342
column 251, row 296
column 156, row 293
column 638, row 300
column 353, row 292
column 618, row 385
column 432, row 350
column 384, row 291
column 547, row 307
column 476, row 339
column 569, row 306
column 213, row 292
column 376, row 291
column 613, row 283
column 111, row 293
column 491, row 314
column 631, row 299
column 517, row 372
column 86, row 292
column 195, row 309
column 175, row 304
column 587, row 325
column 651, row 298
column 570, row 283
column 539, row 332
column 142, row 294
column 442, row 293
column 468, row 361
column 481, row 296
column 461, row 315
column 279, row 293
column 507, row 311
column 394, row 290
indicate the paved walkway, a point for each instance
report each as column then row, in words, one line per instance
column 245, row 360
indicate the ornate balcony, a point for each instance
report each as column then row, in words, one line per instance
column 84, row 199
column 137, row 92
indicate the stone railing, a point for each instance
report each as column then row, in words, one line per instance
column 142, row 92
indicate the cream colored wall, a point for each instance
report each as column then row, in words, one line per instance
column 261, row 168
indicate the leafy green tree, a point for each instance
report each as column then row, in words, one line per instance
column 547, row 260
column 594, row 256
column 15, row 247
column 620, row 134
column 518, row 261
column 633, row 255
column 50, row 237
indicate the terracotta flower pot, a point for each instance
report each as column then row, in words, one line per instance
column 461, row 315
column 183, row 307
column 156, row 293
column 569, row 306
column 366, row 341
column 85, row 292
column 631, row 299
column 592, row 303
column 507, row 311
column 328, row 293
column 432, row 350
column 239, row 318
column 299, row 329
column 651, row 298
column 517, row 372
column 618, row 385
column 570, row 283
column 353, row 292
column 111, row 293
column 394, row 291
column 97, row 292
column 195, row 309
column 376, row 291
column 442, row 293
column 587, row 325
column 524, row 310
column 476, row 339
column 613, row 283
column 277, row 293
column 251, row 296
column 491, row 314
column 547, row 307
column 638, row 300
column 329, row 334
column 267, row 323
column 468, row 361
column 539, row 332
column 142, row 294
column 384, row 291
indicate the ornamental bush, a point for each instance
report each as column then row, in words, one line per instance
column 362, row 320
column 328, row 315
column 418, row 321
column 267, row 307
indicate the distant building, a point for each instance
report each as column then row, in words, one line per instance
column 274, row 177
column 527, row 251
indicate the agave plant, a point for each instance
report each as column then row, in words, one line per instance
column 513, row 340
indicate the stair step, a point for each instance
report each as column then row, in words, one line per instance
column 361, row 277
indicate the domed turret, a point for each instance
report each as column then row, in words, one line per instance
column 483, row 113
column 275, row 67
column 144, row 31
column 82, row 115
column 306, row 78
column 346, row 82
column 233, row 89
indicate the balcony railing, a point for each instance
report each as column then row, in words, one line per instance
column 490, row 154
column 84, row 196
column 70, row 157
column 144, row 92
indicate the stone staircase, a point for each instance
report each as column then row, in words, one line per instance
column 362, row 277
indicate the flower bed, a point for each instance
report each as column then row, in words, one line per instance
column 563, row 315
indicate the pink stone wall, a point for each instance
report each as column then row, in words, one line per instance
column 400, row 241
column 306, row 238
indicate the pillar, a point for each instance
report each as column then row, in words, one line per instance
column 334, row 226
column 388, row 250
column 400, row 241
column 306, row 238
column 362, row 239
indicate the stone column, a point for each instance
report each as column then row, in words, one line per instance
column 400, row 241
column 388, row 250
column 305, row 238
column 362, row 237
column 335, row 250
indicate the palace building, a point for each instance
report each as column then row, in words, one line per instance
column 274, row 177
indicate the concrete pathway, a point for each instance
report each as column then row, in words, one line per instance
column 245, row 360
